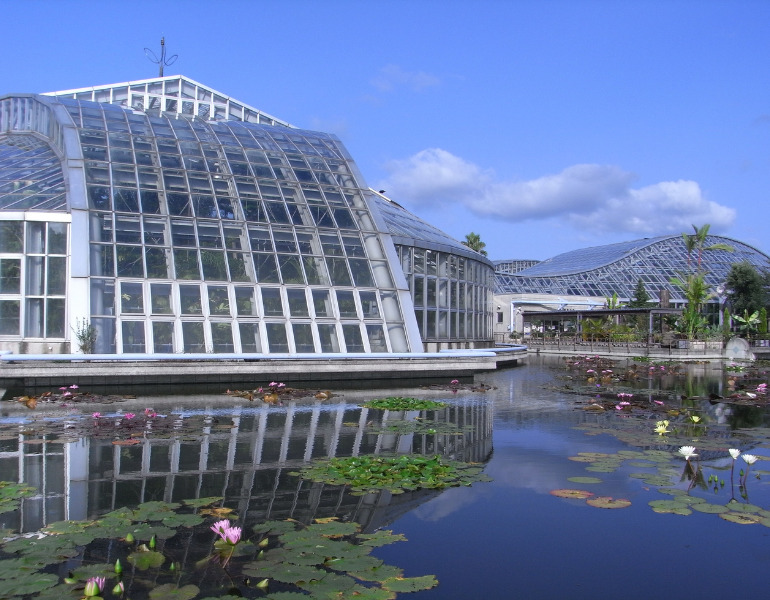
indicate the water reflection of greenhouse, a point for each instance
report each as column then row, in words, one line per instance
column 245, row 455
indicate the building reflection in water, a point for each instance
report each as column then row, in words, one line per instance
column 243, row 454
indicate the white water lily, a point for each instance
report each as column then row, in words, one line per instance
column 750, row 459
column 687, row 451
column 734, row 452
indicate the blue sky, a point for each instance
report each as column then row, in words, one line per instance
column 544, row 126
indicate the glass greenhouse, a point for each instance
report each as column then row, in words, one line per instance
column 602, row 271
column 161, row 216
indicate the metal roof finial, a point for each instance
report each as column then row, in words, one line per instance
column 162, row 61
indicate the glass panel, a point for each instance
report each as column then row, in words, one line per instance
column 276, row 337
column 222, row 337
column 376, row 338
column 127, row 230
column 244, row 302
column 237, row 264
column 11, row 236
column 131, row 299
column 303, row 337
column 133, row 336
column 346, row 303
column 271, row 302
column 105, row 335
column 150, row 202
column 163, row 336
column 57, row 275
column 297, row 302
column 35, row 284
column 126, row 200
column 10, row 311
column 322, row 303
column 209, row 236
column 129, row 259
column 328, row 337
column 353, row 341
column 33, row 318
column 338, row 271
column 250, row 341
column 10, row 275
column 99, row 198
column 54, row 318
column 213, row 265
column 157, row 263
column 35, row 238
column 219, row 302
column 102, row 297
column 192, row 332
column 57, row 238
column 369, row 304
column 266, row 269
column 291, row 271
column 186, row 264
column 361, row 273
column 190, row 299
column 315, row 271
column 102, row 262
column 160, row 298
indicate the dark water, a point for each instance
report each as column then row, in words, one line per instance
column 509, row 538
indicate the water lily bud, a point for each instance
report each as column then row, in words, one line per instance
column 70, row 580
column 172, row 567
column 130, row 538
column 118, row 567
column 263, row 543
column 263, row 584
column 119, row 589
column 152, row 543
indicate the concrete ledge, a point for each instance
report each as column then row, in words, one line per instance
column 26, row 372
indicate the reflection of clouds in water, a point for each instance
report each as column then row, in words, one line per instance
column 451, row 501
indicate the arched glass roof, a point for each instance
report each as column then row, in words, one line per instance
column 602, row 271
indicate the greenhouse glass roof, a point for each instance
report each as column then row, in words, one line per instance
column 602, row 271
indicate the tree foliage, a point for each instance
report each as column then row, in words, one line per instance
column 473, row 241
column 641, row 298
column 747, row 288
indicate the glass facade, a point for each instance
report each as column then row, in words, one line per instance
column 602, row 271
column 174, row 219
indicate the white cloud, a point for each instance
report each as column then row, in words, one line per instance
column 591, row 197
column 391, row 77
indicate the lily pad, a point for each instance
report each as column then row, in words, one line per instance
column 568, row 493
column 27, row 583
column 670, row 506
column 741, row 518
column 608, row 502
column 168, row 591
column 707, row 507
column 410, row 584
column 146, row 560
column 584, row 479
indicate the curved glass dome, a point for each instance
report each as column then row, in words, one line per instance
column 602, row 271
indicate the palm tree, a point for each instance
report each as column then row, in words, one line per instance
column 473, row 241
column 697, row 241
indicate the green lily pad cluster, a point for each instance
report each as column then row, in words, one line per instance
column 396, row 474
column 152, row 555
column 327, row 559
column 401, row 403
column 11, row 495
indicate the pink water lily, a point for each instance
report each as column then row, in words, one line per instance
column 96, row 415
column 94, row 586
column 129, row 416
column 230, row 534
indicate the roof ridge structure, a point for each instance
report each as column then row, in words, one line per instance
column 175, row 94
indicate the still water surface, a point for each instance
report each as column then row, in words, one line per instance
column 509, row 538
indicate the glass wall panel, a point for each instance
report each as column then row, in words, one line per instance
column 303, row 337
column 244, row 302
column 346, row 304
column 222, row 337
column 376, row 336
column 192, row 334
column 160, row 298
column 353, row 340
column 131, row 298
column 133, row 336
column 322, row 303
column 10, row 317
column 163, row 336
column 328, row 336
column 297, row 302
column 250, row 341
column 276, row 337
column 190, row 299
column 271, row 302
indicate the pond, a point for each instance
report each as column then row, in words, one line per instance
column 589, row 495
